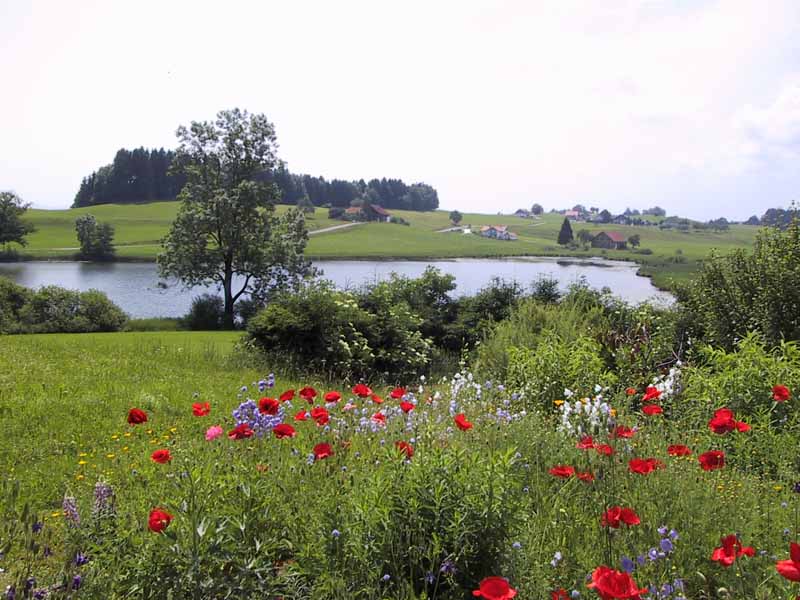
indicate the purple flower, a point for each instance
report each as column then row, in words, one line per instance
column 71, row 513
column 259, row 422
column 81, row 559
column 76, row 582
column 627, row 565
column 666, row 545
column 103, row 499
column 448, row 567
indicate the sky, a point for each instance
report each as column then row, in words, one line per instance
column 692, row 105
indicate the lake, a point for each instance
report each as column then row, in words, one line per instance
column 139, row 291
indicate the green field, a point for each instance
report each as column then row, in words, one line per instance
column 139, row 228
column 269, row 517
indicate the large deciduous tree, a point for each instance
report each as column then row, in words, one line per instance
column 12, row 227
column 227, row 232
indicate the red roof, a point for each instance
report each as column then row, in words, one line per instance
column 615, row 236
column 380, row 210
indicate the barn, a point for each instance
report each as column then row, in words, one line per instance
column 613, row 240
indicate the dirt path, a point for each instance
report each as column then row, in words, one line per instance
column 333, row 228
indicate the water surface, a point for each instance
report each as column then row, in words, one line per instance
column 139, row 291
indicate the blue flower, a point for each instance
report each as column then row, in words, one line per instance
column 627, row 565
column 516, row 545
column 336, row 533
column 666, row 545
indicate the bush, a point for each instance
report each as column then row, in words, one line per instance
column 644, row 251
column 758, row 291
column 153, row 324
column 542, row 374
column 206, row 314
column 13, row 299
column 53, row 309
column 335, row 212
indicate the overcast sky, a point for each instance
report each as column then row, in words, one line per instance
column 690, row 104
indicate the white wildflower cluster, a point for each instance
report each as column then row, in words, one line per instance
column 669, row 384
column 584, row 416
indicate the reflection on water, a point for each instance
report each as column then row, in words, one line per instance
column 138, row 290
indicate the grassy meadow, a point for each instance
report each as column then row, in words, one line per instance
column 139, row 227
column 342, row 509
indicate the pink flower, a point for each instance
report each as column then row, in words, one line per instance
column 213, row 432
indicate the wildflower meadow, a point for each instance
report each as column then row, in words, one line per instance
column 164, row 465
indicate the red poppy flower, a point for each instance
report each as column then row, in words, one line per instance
column 586, row 476
column 722, row 422
column 712, row 460
column 494, row 588
column 301, row 415
column 652, row 409
column 286, row 396
column 308, row 394
column 322, row 450
column 333, row 397
column 379, row 418
column 158, row 520
column 201, row 409
column 585, row 443
column 283, row 430
column 361, row 390
column 240, row 432
column 563, row 471
column 320, row 415
column 136, row 416
column 630, row 391
column 604, row 449
column 651, row 394
column 406, row 448
column 268, row 406
column 730, row 550
column 611, row 584
column 622, row 431
column 560, row 594
column 162, row 457
column 616, row 516
column 678, row 450
column 790, row 569
column 462, row 423
column 643, row 466
column 376, row 399
column 406, row 407
column 398, row 393
column 781, row 393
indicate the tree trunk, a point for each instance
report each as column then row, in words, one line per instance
column 227, row 317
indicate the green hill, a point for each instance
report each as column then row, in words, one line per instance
column 139, row 227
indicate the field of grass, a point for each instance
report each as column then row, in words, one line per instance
column 360, row 517
column 139, row 228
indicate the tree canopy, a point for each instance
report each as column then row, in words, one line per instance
column 12, row 228
column 143, row 175
column 96, row 239
column 226, row 232
column 565, row 235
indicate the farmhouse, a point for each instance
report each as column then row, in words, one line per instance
column 523, row 213
column 572, row 215
column 368, row 212
column 498, row 232
column 612, row 240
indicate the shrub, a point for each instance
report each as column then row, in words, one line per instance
column 206, row 314
column 545, row 290
column 645, row 251
column 315, row 329
column 335, row 212
column 542, row 374
column 13, row 298
column 53, row 309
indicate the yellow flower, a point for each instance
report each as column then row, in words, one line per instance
column 127, row 434
column 78, row 477
column 111, row 455
column 83, row 454
column 81, row 462
column 55, row 514
column 115, row 437
column 558, row 402
column 613, row 412
column 173, row 429
column 124, row 448
column 777, row 488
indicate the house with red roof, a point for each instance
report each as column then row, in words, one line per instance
column 613, row 240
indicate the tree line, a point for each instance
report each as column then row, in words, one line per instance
column 143, row 175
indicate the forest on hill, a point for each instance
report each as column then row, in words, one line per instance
column 143, row 175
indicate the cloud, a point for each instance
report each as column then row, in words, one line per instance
column 773, row 132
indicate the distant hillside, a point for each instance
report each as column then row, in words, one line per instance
column 143, row 175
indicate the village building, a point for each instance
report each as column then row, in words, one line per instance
column 368, row 212
column 613, row 240
column 498, row 232
column 572, row 215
